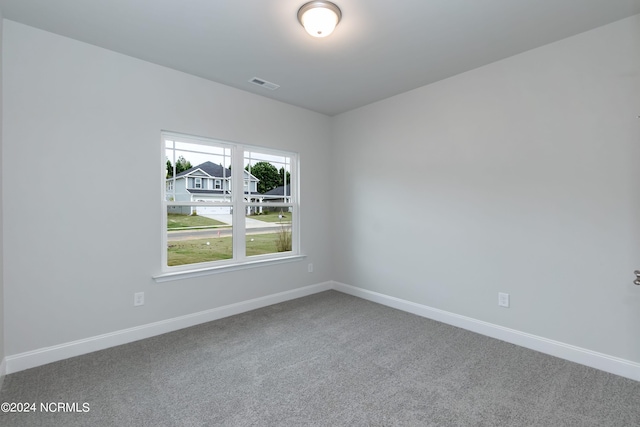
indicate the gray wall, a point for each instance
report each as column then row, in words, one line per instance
column 520, row 176
column 75, row 113
column 2, row 321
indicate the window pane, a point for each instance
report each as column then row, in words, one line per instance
column 192, row 170
column 268, row 230
column 199, row 201
column 268, row 176
column 197, row 234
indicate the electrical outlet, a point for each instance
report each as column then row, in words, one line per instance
column 138, row 298
column 310, row 267
column 503, row 299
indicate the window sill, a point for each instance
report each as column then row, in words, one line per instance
column 186, row 274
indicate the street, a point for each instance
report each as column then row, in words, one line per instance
column 211, row 233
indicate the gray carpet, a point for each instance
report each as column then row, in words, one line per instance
column 327, row 360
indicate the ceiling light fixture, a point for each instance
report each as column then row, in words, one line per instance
column 319, row 18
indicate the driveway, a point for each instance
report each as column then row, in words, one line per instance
column 250, row 222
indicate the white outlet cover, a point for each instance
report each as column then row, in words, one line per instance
column 138, row 298
column 503, row 299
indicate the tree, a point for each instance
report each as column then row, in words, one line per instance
column 267, row 174
column 181, row 165
column 281, row 173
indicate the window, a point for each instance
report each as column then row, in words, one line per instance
column 241, row 225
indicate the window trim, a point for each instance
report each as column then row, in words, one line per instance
column 239, row 259
column 198, row 272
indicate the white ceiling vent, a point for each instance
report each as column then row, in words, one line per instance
column 265, row 84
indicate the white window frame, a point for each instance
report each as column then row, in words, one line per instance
column 239, row 206
column 197, row 183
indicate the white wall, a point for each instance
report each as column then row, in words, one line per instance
column 518, row 177
column 2, row 322
column 521, row 176
column 90, row 118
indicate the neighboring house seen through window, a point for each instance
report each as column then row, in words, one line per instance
column 219, row 224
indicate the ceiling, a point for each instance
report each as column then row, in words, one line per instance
column 379, row 49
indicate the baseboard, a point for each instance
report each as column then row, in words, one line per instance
column 603, row 362
column 31, row 359
column 3, row 371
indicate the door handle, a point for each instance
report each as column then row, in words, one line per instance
column 637, row 281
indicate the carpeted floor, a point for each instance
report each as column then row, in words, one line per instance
column 329, row 360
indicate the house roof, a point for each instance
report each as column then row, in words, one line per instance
column 279, row 191
column 201, row 191
column 213, row 170
column 210, row 169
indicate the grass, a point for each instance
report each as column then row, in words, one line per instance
column 176, row 221
column 182, row 252
column 283, row 239
column 259, row 244
column 273, row 217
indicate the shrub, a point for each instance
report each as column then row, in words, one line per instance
column 283, row 242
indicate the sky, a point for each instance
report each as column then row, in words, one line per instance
column 200, row 153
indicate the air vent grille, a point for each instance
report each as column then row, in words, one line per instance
column 263, row 83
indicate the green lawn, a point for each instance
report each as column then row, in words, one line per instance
column 273, row 217
column 195, row 251
column 175, row 221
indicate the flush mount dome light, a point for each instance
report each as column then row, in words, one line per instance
column 319, row 18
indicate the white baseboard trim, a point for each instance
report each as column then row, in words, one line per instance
column 42, row 356
column 3, row 371
column 603, row 362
